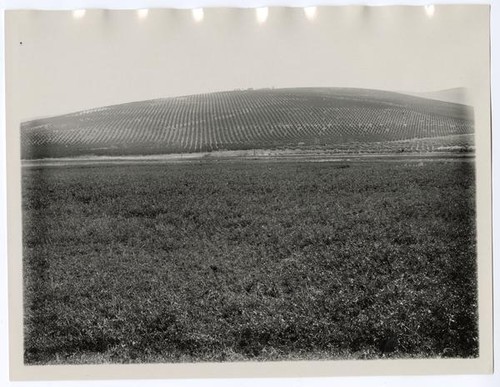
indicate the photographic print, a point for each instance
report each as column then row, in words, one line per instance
column 251, row 186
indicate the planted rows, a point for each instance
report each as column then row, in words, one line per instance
column 243, row 120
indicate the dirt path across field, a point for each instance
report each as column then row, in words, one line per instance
column 251, row 155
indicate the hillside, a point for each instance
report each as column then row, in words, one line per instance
column 458, row 95
column 328, row 118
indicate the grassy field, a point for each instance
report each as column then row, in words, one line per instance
column 223, row 261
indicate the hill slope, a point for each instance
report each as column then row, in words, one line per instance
column 457, row 95
column 246, row 119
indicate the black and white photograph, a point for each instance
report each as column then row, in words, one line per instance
column 250, row 186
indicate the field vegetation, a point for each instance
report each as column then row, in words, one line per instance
column 227, row 260
column 326, row 118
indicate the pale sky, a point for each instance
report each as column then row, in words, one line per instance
column 66, row 64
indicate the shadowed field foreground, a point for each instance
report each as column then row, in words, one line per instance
column 214, row 261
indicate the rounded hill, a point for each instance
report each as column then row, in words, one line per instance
column 328, row 118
